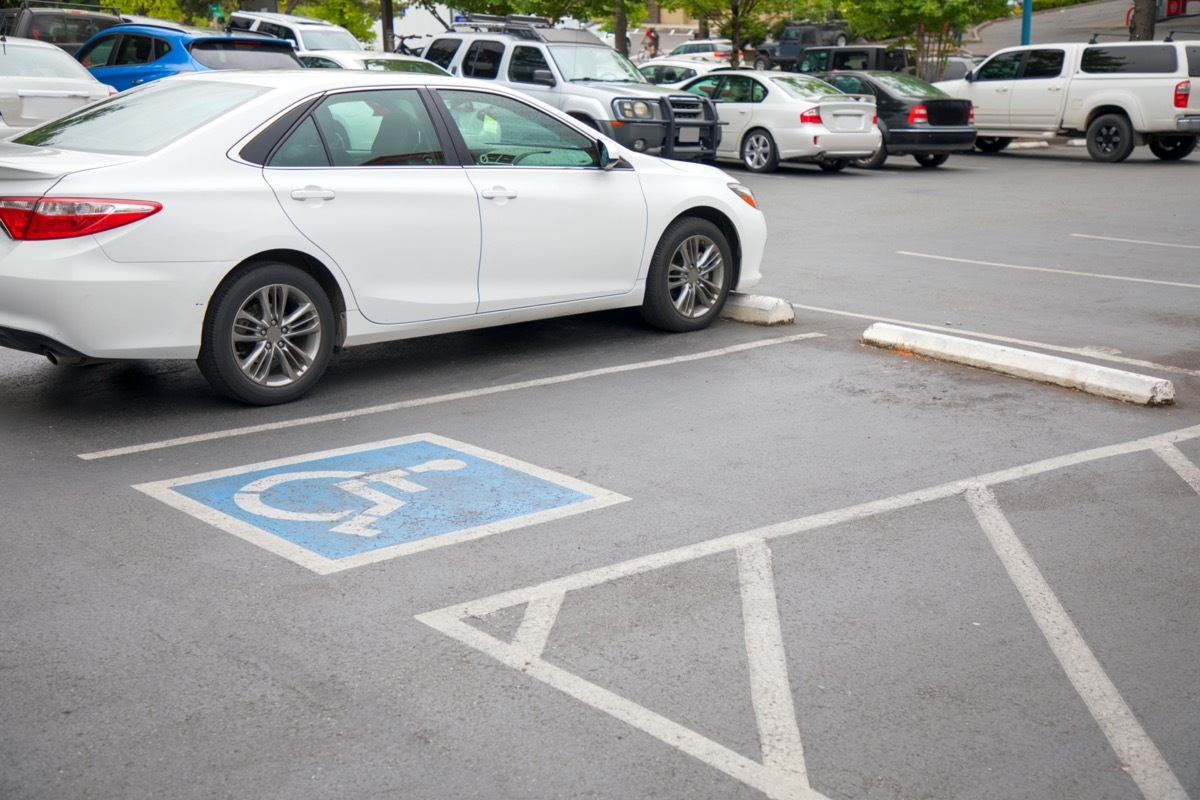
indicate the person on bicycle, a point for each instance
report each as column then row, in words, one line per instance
column 650, row 42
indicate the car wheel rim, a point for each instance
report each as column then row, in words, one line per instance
column 1109, row 139
column 696, row 276
column 276, row 335
column 758, row 152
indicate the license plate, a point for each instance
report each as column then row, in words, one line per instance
column 689, row 135
column 48, row 107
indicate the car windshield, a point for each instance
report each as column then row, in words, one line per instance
column 402, row 65
column 36, row 62
column 328, row 40
column 908, row 86
column 594, row 64
column 243, row 54
column 805, row 88
column 141, row 121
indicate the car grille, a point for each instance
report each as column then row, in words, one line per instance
column 694, row 126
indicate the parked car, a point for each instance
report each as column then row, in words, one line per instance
column 305, row 33
column 370, row 59
column 768, row 117
column 125, row 56
column 915, row 118
column 718, row 51
column 1116, row 95
column 795, row 37
column 575, row 72
column 674, row 72
column 39, row 82
column 126, row 235
column 815, row 60
column 65, row 25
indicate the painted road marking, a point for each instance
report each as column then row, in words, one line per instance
column 1135, row 241
column 1047, row 269
column 782, row 773
column 1085, row 352
column 338, row 416
column 338, row 509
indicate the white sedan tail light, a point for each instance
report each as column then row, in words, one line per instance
column 37, row 218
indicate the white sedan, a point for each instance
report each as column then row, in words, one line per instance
column 39, row 82
column 369, row 59
column 675, row 71
column 256, row 222
column 768, row 117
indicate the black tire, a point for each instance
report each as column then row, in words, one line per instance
column 282, row 357
column 875, row 161
column 759, row 153
column 1173, row 148
column 763, row 63
column 1110, row 138
column 689, row 277
column 931, row 160
column 991, row 144
column 833, row 164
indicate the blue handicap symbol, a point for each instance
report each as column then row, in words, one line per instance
column 354, row 503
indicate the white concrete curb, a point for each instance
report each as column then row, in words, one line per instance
column 1103, row 381
column 758, row 310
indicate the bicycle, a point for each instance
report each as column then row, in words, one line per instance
column 399, row 46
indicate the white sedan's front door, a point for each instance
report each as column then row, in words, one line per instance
column 556, row 226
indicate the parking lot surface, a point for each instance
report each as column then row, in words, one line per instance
column 581, row 558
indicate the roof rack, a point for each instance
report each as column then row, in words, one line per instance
column 495, row 22
column 1171, row 35
column 75, row 6
column 1096, row 36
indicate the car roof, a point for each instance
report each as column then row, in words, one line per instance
column 21, row 42
column 285, row 19
column 188, row 33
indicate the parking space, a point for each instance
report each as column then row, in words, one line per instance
column 581, row 558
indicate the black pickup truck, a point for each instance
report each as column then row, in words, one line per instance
column 67, row 25
column 856, row 57
column 794, row 39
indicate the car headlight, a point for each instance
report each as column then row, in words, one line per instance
column 635, row 109
column 744, row 193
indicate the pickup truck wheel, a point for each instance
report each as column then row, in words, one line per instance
column 689, row 277
column 1110, row 138
column 875, row 161
column 991, row 144
column 758, row 151
column 931, row 160
column 833, row 164
column 1173, row 148
column 762, row 63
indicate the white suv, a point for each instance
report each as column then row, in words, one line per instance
column 575, row 72
column 306, row 34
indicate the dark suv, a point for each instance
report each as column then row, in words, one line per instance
column 794, row 39
column 67, row 25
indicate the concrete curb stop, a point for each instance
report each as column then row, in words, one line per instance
column 1129, row 387
column 758, row 309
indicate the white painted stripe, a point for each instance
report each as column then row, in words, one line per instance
column 534, row 632
column 1047, row 269
column 771, row 782
column 770, row 690
column 1085, row 352
column 1177, row 461
column 1133, row 746
column 441, row 398
column 1135, row 241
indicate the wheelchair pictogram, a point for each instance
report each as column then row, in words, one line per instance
column 340, row 508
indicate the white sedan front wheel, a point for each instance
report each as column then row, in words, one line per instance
column 690, row 276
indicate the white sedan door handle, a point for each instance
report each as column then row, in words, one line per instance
column 313, row 193
column 498, row 192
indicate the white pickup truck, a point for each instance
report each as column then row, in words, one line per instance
column 1115, row 95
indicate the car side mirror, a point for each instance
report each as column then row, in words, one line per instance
column 970, row 76
column 605, row 158
column 544, row 77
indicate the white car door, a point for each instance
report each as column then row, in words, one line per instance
column 991, row 89
column 556, row 227
column 1038, row 94
column 372, row 190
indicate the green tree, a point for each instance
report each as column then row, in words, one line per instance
column 744, row 22
column 356, row 16
column 932, row 27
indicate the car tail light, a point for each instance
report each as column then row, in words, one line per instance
column 36, row 218
column 1182, row 92
column 971, row 116
column 812, row 116
column 918, row 114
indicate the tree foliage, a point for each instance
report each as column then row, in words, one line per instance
column 744, row 22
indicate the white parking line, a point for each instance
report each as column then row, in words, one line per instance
column 1135, row 241
column 1085, row 352
column 1076, row 273
column 782, row 774
column 336, row 416
column 1129, row 740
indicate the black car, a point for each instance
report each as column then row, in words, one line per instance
column 916, row 118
